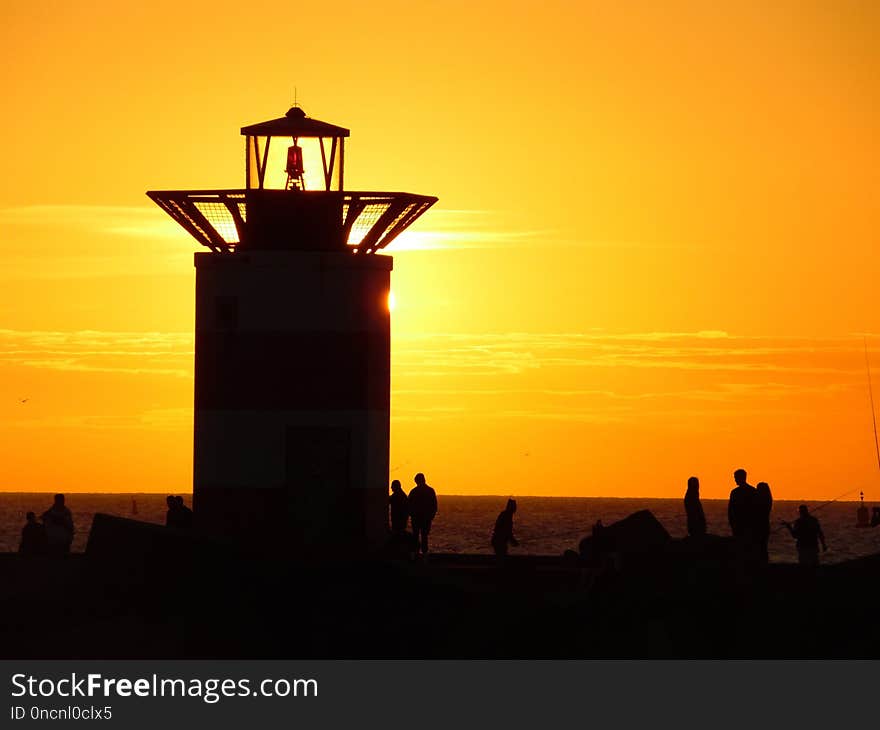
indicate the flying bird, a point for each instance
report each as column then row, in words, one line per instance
column 23, row 400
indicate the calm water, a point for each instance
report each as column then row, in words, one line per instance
column 544, row 525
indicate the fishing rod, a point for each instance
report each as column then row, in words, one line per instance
column 832, row 501
column 871, row 396
column 873, row 421
column 821, row 506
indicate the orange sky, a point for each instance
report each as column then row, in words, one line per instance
column 653, row 254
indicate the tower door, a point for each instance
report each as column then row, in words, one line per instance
column 318, row 493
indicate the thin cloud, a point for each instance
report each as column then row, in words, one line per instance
column 721, row 392
column 588, row 378
column 164, row 419
column 63, row 242
column 442, row 229
column 463, row 229
column 833, row 364
column 136, row 221
column 707, row 350
column 130, row 353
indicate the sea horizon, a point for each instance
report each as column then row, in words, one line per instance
column 505, row 496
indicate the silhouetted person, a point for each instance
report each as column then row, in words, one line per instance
column 178, row 515
column 58, row 522
column 33, row 537
column 422, row 509
column 693, row 508
column 742, row 510
column 808, row 535
column 185, row 514
column 172, row 516
column 502, row 535
column 598, row 556
column 763, row 506
column 742, row 507
column 597, row 544
column 398, row 508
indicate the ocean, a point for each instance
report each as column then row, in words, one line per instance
column 543, row 525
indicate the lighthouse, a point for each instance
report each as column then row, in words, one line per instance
column 292, row 344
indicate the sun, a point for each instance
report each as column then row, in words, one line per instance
column 392, row 301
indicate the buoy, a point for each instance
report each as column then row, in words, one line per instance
column 862, row 517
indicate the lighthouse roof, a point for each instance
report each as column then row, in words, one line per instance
column 295, row 124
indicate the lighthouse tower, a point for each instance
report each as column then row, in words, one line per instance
column 292, row 344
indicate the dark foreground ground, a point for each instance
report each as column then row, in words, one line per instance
column 673, row 602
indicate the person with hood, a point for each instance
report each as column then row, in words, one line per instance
column 398, row 507
column 763, row 506
column 693, row 508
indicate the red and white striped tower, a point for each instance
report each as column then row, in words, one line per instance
column 292, row 362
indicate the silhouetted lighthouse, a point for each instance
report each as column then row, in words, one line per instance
column 292, row 354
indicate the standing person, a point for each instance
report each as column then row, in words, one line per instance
column 693, row 508
column 502, row 535
column 422, row 509
column 763, row 506
column 33, row 537
column 59, row 527
column 741, row 512
column 808, row 534
column 741, row 508
column 398, row 508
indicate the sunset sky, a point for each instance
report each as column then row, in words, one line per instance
column 653, row 255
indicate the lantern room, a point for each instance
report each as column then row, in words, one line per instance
column 294, row 197
column 294, row 152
